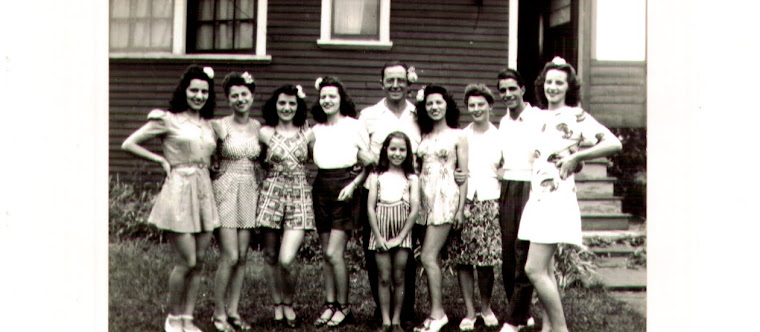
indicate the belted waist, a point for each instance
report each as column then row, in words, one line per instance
column 190, row 164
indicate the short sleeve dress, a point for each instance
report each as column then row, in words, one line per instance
column 392, row 208
column 439, row 193
column 237, row 189
column 186, row 202
column 551, row 214
column 285, row 201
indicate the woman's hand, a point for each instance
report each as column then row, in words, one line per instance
column 166, row 166
column 567, row 166
column 347, row 192
column 381, row 243
column 394, row 242
column 458, row 219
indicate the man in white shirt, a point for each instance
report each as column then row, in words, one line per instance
column 518, row 130
column 392, row 113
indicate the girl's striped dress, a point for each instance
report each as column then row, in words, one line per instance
column 392, row 209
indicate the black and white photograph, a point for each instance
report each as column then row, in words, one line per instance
column 376, row 165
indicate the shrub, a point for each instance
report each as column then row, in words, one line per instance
column 573, row 266
column 128, row 208
column 630, row 168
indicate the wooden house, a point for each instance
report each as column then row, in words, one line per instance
column 450, row 42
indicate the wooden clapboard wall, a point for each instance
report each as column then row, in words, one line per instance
column 617, row 93
column 453, row 43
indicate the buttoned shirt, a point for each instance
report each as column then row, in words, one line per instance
column 518, row 142
column 381, row 121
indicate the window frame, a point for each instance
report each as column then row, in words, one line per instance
column 179, row 40
column 382, row 43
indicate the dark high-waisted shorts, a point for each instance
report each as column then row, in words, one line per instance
column 328, row 211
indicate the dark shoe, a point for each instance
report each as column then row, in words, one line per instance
column 342, row 316
column 325, row 316
column 396, row 328
column 238, row 323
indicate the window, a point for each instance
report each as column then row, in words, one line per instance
column 220, row 26
column 141, row 25
column 197, row 29
column 355, row 24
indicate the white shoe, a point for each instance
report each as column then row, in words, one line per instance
column 188, row 325
column 467, row 324
column 508, row 328
column 437, row 324
column 176, row 327
column 490, row 320
column 530, row 322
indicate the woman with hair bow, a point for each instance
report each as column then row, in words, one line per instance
column 237, row 191
column 285, row 204
column 552, row 215
column 185, row 207
column 341, row 142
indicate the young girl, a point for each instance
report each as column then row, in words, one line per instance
column 185, row 207
column 551, row 214
column 443, row 149
column 339, row 140
column 392, row 207
column 285, row 205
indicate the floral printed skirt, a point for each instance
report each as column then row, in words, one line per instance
column 478, row 243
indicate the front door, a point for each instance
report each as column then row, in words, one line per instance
column 545, row 29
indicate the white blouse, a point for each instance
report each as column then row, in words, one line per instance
column 484, row 158
column 337, row 145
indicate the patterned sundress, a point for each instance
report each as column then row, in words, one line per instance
column 392, row 210
column 551, row 214
column 439, row 193
column 237, row 189
column 285, row 201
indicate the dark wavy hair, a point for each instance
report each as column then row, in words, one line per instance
column 572, row 98
column 393, row 63
column 269, row 110
column 347, row 107
column 384, row 163
column 508, row 73
column 178, row 103
column 479, row 89
column 235, row 78
column 452, row 111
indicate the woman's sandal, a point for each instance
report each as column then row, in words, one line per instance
column 324, row 317
column 291, row 323
column 222, row 325
column 238, row 323
column 347, row 317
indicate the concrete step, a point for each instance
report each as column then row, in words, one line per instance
column 616, row 278
column 600, row 205
column 614, row 221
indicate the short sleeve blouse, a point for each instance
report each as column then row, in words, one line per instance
column 185, row 139
column 337, row 145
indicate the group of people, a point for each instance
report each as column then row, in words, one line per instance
column 402, row 173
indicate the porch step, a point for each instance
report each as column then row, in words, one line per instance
column 593, row 169
column 596, row 187
column 612, row 221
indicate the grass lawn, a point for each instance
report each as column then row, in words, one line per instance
column 138, row 274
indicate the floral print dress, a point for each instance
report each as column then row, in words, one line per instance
column 439, row 193
column 551, row 214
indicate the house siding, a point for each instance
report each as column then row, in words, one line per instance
column 617, row 93
column 451, row 43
